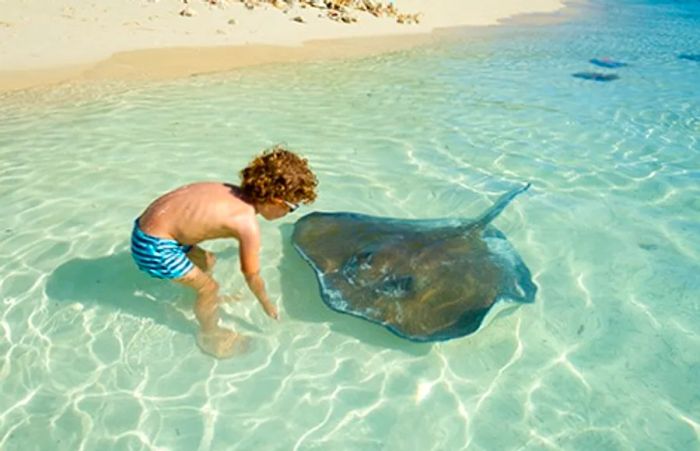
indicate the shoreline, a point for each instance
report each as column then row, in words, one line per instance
column 327, row 41
column 166, row 63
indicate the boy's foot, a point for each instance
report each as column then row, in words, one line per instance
column 222, row 343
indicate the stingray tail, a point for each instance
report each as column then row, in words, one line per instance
column 497, row 207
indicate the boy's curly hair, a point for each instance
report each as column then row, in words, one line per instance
column 279, row 173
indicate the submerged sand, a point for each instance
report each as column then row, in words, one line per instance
column 44, row 43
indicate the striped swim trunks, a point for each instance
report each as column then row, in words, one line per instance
column 160, row 257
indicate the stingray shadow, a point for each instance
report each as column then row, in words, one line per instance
column 114, row 281
column 302, row 301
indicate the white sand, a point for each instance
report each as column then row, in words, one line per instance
column 46, row 41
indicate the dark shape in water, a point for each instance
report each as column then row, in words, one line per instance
column 424, row 280
column 595, row 76
column 689, row 56
column 607, row 63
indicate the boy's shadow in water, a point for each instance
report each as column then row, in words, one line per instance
column 116, row 282
column 302, row 301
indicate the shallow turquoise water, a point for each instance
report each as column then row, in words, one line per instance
column 97, row 356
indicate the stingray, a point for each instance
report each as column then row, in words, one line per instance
column 607, row 63
column 595, row 76
column 690, row 56
column 423, row 279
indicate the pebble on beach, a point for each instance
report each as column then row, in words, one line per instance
column 188, row 12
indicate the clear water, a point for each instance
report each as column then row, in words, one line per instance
column 95, row 355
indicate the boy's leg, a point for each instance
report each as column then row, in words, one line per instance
column 203, row 259
column 206, row 307
column 214, row 340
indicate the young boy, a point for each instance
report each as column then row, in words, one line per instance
column 164, row 242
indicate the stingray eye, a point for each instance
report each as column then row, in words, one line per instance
column 365, row 257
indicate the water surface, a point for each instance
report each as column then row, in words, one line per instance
column 96, row 355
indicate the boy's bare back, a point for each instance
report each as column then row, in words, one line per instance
column 198, row 212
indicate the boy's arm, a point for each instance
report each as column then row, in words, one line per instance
column 249, row 254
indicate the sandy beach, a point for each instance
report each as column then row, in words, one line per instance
column 45, row 43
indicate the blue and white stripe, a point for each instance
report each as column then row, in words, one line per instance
column 159, row 257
